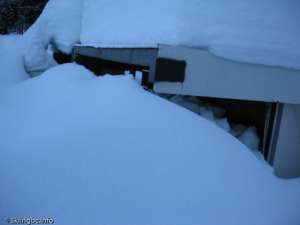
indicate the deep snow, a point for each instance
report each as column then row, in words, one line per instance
column 88, row 150
column 258, row 31
column 130, row 23
column 59, row 27
column 11, row 61
column 59, row 24
column 247, row 135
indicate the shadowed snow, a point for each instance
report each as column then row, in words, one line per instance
column 101, row 150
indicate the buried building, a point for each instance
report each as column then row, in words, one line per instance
column 269, row 93
column 236, row 55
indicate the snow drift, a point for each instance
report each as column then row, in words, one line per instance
column 58, row 27
column 88, row 150
column 12, row 48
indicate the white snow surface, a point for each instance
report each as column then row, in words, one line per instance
column 250, row 138
column 257, row 31
column 130, row 23
column 101, row 150
column 11, row 62
column 59, row 26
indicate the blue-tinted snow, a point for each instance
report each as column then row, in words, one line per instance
column 11, row 63
column 88, row 150
column 258, row 31
column 59, row 25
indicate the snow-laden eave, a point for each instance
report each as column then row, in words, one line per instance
column 58, row 27
column 239, row 31
column 229, row 58
column 229, row 31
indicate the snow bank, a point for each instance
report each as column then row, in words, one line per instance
column 101, row 150
column 11, row 62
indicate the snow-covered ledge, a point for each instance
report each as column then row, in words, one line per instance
column 58, row 27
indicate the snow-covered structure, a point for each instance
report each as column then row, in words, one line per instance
column 237, row 50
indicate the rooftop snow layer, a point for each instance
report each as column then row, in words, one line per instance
column 257, row 31
column 130, row 23
column 59, row 24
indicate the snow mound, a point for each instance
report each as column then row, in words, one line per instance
column 11, row 63
column 101, row 150
column 250, row 138
column 59, row 25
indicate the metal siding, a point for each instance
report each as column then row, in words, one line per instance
column 211, row 76
column 287, row 156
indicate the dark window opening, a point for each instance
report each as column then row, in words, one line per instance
column 170, row 70
column 61, row 57
column 261, row 115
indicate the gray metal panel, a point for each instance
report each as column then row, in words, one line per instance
column 135, row 56
column 275, row 132
column 287, row 156
column 208, row 75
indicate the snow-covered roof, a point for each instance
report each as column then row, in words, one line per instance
column 258, row 31
column 131, row 23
